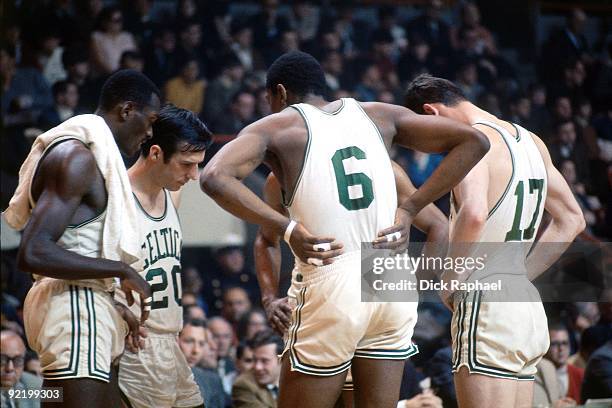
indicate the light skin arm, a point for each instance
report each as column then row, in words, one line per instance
column 268, row 263
column 567, row 220
column 221, row 180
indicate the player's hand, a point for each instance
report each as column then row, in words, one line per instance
column 314, row 250
column 132, row 281
column 136, row 334
column 395, row 237
column 278, row 312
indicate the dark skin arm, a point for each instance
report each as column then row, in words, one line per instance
column 66, row 175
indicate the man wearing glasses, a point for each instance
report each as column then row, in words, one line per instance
column 568, row 376
column 12, row 360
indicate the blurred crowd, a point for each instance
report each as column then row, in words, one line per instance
column 211, row 57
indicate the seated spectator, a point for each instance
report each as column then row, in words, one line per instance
column 76, row 63
column 161, row 59
column 598, row 374
column 332, row 65
column 467, row 80
column 250, row 324
column 223, row 336
column 267, row 24
column 567, row 146
column 50, row 56
column 370, row 84
column 411, row 392
column 262, row 107
column 259, row 388
column 415, row 61
column 244, row 360
column 236, row 304
column 109, row 41
column 193, row 311
column 590, row 205
column 242, row 47
column 13, row 377
column 186, row 90
column 591, row 339
column 66, row 97
column 190, row 46
column 131, row 60
column 570, row 377
column 540, row 116
column 222, row 88
column 32, row 364
column 196, row 347
column 520, row 110
column 546, row 389
column 241, row 114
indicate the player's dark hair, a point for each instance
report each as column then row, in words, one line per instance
column 127, row 85
column 265, row 337
column 177, row 129
column 429, row 89
column 299, row 72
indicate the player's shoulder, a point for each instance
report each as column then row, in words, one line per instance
column 69, row 157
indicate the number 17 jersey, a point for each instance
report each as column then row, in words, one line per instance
column 160, row 265
column 346, row 188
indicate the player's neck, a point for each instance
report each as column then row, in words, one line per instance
column 143, row 182
column 469, row 113
column 314, row 100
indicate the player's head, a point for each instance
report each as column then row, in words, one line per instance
column 129, row 102
column 266, row 346
column 178, row 145
column 293, row 76
column 13, row 358
column 430, row 95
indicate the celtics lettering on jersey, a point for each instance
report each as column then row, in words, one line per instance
column 161, row 240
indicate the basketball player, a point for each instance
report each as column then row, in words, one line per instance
column 158, row 375
column 268, row 255
column 73, row 243
column 332, row 164
column 496, row 345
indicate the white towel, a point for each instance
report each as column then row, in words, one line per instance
column 120, row 234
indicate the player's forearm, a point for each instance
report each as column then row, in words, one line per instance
column 455, row 166
column 234, row 197
column 267, row 267
column 46, row 258
column 556, row 238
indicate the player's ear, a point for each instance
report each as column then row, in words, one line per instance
column 429, row 109
column 282, row 94
column 156, row 153
column 126, row 109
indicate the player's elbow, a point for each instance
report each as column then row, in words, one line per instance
column 210, row 180
column 474, row 216
column 578, row 222
column 30, row 258
column 481, row 143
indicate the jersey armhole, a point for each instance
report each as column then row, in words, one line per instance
column 287, row 202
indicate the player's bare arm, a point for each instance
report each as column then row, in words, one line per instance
column 268, row 262
column 221, row 179
column 464, row 144
column 66, row 175
column 567, row 220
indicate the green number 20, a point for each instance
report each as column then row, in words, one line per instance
column 161, row 286
column 344, row 181
column 515, row 233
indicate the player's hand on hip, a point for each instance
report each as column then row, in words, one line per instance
column 278, row 312
column 314, row 250
column 396, row 236
column 132, row 281
column 136, row 334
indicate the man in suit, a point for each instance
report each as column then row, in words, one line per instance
column 13, row 377
column 259, row 387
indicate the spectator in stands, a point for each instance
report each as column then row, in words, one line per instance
column 304, row 20
column 590, row 204
column 222, row 88
column 569, row 376
column 259, row 388
column 66, row 102
column 223, row 336
column 431, row 28
column 598, row 374
column 76, row 63
column 139, row 21
column 192, row 283
column 244, row 358
column 383, row 57
column 32, row 364
column 416, row 61
column 546, row 388
column 13, row 377
column 370, row 84
column 109, row 41
column 50, row 55
column 262, row 107
column 25, row 92
column 160, row 59
column 190, row 46
column 467, row 80
column 591, row 339
column 540, row 116
column 196, row 347
column 567, row 146
column 411, row 392
column 333, row 68
column 388, row 21
column 288, row 41
column 572, row 83
column 242, row 47
column 268, row 24
column 236, row 304
column 250, row 324
column 186, row 90
column 131, row 60
column 520, row 110
column 193, row 311
column 241, row 114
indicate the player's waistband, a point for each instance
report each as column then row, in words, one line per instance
column 158, row 334
column 349, row 262
column 99, row 285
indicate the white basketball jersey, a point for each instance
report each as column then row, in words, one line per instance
column 161, row 239
column 517, row 214
column 346, row 188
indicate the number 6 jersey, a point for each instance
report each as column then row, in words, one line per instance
column 346, row 188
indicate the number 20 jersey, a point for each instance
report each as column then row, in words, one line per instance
column 160, row 265
column 346, row 188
